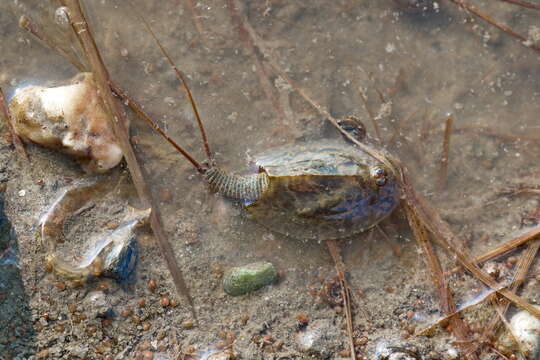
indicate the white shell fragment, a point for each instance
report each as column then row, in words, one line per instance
column 525, row 329
column 70, row 118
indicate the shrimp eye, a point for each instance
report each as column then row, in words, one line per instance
column 379, row 174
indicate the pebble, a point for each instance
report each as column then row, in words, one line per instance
column 318, row 338
column 245, row 279
column 187, row 324
column 97, row 304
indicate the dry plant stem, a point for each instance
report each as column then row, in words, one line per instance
column 447, row 304
column 26, row 23
column 248, row 37
column 370, row 113
column 19, row 146
column 120, row 126
column 504, row 248
column 523, row 3
column 522, row 268
column 196, row 16
column 490, row 132
column 473, row 10
column 445, row 237
column 333, row 247
column 502, row 317
column 185, row 86
column 443, row 171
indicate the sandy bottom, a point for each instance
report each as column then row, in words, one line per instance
column 416, row 68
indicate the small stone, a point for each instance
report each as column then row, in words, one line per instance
column 152, row 285
column 319, row 338
column 43, row 354
column 165, row 301
column 245, row 279
column 148, row 355
column 187, row 324
column 97, row 304
column 221, row 355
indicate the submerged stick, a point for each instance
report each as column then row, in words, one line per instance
column 508, row 30
column 447, row 239
column 120, row 126
column 448, row 306
column 443, row 172
column 523, row 4
column 370, row 113
column 333, row 247
column 504, row 248
column 522, row 268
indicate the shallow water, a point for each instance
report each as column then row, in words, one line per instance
column 428, row 65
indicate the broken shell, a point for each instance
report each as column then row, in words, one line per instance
column 70, row 118
column 113, row 256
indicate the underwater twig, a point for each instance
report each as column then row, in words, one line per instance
column 490, row 132
column 120, row 126
column 248, row 37
column 4, row 109
column 458, row 326
column 370, row 113
column 27, row 24
column 504, row 248
column 446, row 238
column 523, row 3
column 473, row 10
column 195, row 16
column 333, row 248
column 182, row 79
column 443, row 171
column 520, row 275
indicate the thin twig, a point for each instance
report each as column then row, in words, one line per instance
column 504, row 248
column 27, row 24
column 523, row 3
column 490, row 132
column 195, row 16
column 473, row 10
column 370, row 113
column 248, row 37
column 520, row 275
column 443, row 171
column 446, row 238
column 120, row 126
column 458, row 326
column 333, row 247
column 4, row 109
